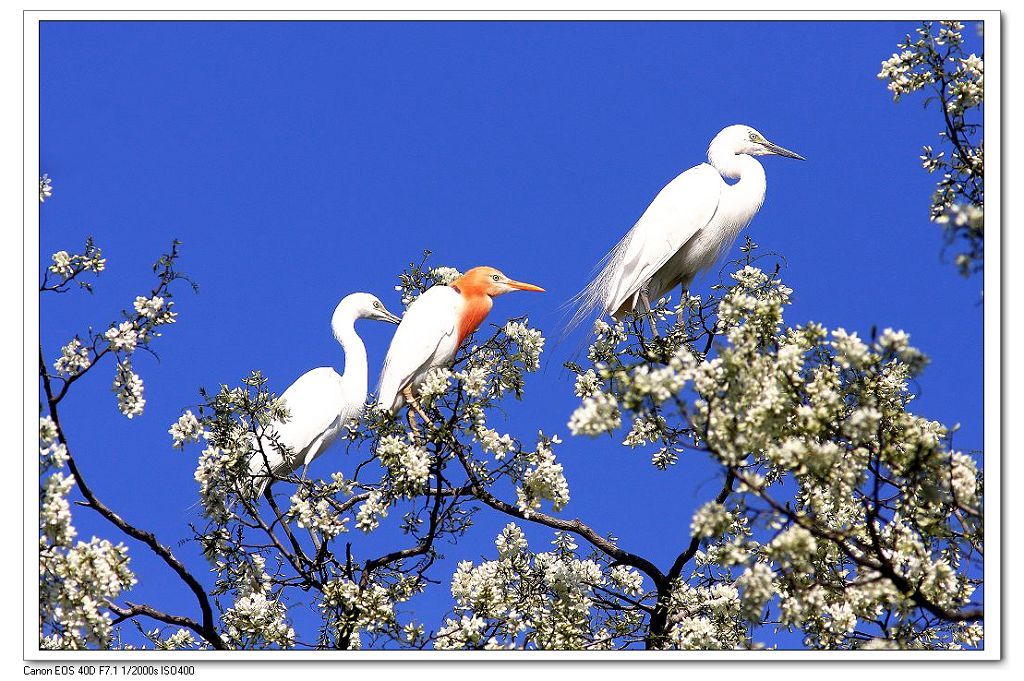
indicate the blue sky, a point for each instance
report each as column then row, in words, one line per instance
column 299, row 162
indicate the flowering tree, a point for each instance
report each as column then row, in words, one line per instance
column 935, row 62
column 840, row 513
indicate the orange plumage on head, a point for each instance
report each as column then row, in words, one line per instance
column 474, row 285
column 478, row 286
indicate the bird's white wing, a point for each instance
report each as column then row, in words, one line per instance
column 426, row 337
column 680, row 210
column 314, row 402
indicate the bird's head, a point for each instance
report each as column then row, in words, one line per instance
column 489, row 281
column 366, row 306
column 743, row 139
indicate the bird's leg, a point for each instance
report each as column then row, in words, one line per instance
column 647, row 306
column 684, row 302
column 410, row 416
column 310, row 530
column 414, row 406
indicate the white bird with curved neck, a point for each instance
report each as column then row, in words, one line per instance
column 321, row 401
column 690, row 224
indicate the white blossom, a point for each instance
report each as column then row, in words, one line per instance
column 757, row 584
column 45, row 187
column 75, row 585
column 862, row 424
column 710, row 520
column 123, row 337
column 597, row 414
column 851, row 352
column 444, row 275
column 257, row 618
column 371, row 511
column 964, row 477
column 645, row 430
column 587, row 383
column 474, row 381
column 627, row 579
column 530, row 342
column 316, row 514
column 74, row 358
column 795, row 546
column 491, row 441
column 128, row 387
column 545, row 480
column 408, row 465
column 186, row 429
column 62, row 264
column 436, row 383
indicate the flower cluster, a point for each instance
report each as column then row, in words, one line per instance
column 45, row 187
column 70, row 265
column 352, row 609
column 936, row 60
column 122, row 338
column 598, row 414
column 76, row 581
column 316, row 514
column 473, row 381
column 419, row 278
column 371, row 511
column 705, row 618
column 74, row 358
column 544, row 479
column 550, row 600
column 182, row 639
column 408, row 465
column 529, row 340
column 444, row 275
column 186, row 429
column 257, row 619
column 435, row 384
column 711, row 520
column 128, row 387
column 812, row 431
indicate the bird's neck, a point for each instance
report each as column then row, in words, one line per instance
column 354, row 375
column 475, row 308
column 745, row 196
column 736, row 166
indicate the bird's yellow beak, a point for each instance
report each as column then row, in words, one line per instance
column 523, row 286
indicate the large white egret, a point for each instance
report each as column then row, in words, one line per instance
column 433, row 328
column 690, row 223
column 321, row 401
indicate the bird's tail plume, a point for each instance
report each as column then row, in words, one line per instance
column 597, row 295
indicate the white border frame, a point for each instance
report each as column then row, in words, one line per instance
column 992, row 326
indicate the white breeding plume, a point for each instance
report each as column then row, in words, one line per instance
column 321, row 401
column 690, row 223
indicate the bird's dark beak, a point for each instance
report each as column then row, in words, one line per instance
column 393, row 318
column 779, row 151
column 523, row 286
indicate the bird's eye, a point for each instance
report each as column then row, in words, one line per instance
column 495, row 277
column 376, row 304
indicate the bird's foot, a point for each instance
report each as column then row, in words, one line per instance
column 414, row 408
column 684, row 304
column 645, row 299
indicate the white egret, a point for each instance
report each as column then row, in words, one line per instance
column 433, row 328
column 690, row 223
column 321, row 401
